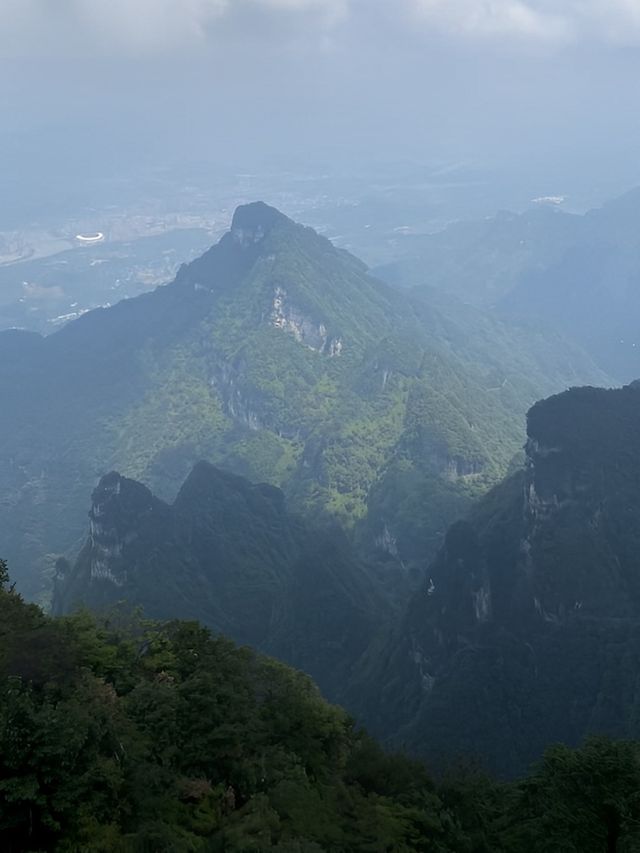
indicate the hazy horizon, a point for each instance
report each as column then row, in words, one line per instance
column 540, row 95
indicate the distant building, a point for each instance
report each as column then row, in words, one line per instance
column 87, row 239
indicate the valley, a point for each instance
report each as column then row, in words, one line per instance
column 277, row 356
column 319, row 426
column 325, row 468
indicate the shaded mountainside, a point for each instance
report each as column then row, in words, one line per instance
column 545, row 268
column 527, row 630
column 229, row 554
column 132, row 735
column 142, row 736
column 276, row 356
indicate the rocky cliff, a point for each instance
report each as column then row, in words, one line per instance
column 527, row 629
column 277, row 356
column 230, row 554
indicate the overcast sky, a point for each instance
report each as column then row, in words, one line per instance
column 541, row 83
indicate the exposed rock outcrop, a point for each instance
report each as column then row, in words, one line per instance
column 228, row 552
column 527, row 629
column 305, row 330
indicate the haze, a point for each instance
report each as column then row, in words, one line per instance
column 541, row 94
column 320, row 335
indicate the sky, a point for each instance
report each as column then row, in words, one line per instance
column 548, row 86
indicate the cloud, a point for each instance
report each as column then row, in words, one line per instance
column 149, row 26
column 550, row 21
column 615, row 21
column 145, row 24
column 491, row 18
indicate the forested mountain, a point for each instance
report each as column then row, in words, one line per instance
column 527, row 630
column 525, row 633
column 134, row 735
column 229, row 554
column 579, row 275
column 276, row 356
column 139, row 736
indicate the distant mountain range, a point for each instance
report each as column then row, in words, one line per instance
column 328, row 468
column 579, row 275
column 381, row 414
column 525, row 632
column 278, row 357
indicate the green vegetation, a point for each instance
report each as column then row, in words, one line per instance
column 281, row 359
column 231, row 554
column 129, row 735
column 542, row 270
column 527, row 630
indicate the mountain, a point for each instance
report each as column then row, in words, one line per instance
column 127, row 734
column 278, row 357
column 576, row 274
column 527, row 630
column 149, row 736
column 481, row 261
column 229, row 554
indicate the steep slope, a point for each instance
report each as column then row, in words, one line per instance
column 134, row 736
column 481, row 261
column 125, row 734
column 527, row 631
column 455, row 440
column 276, row 356
column 549, row 269
column 229, row 554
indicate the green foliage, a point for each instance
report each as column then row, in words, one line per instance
column 205, row 368
column 527, row 631
column 580, row 801
column 229, row 553
column 129, row 735
column 132, row 735
column 4, row 574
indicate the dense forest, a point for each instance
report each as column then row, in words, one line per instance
column 278, row 357
column 126, row 734
column 320, row 426
column 383, row 416
column 526, row 630
column 291, row 590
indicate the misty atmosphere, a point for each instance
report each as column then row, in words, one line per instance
column 320, row 426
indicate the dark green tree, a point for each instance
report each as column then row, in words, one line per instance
column 581, row 801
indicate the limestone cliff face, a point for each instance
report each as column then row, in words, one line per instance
column 275, row 354
column 253, row 222
column 527, row 627
column 229, row 553
column 243, row 404
column 581, row 507
column 304, row 329
column 122, row 513
column 556, row 547
column 119, row 510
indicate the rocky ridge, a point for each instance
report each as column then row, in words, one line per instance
column 230, row 554
column 527, row 628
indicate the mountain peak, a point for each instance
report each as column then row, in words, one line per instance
column 210, row 490
column 118, row 505
column 228, row 552
column 252, row 222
